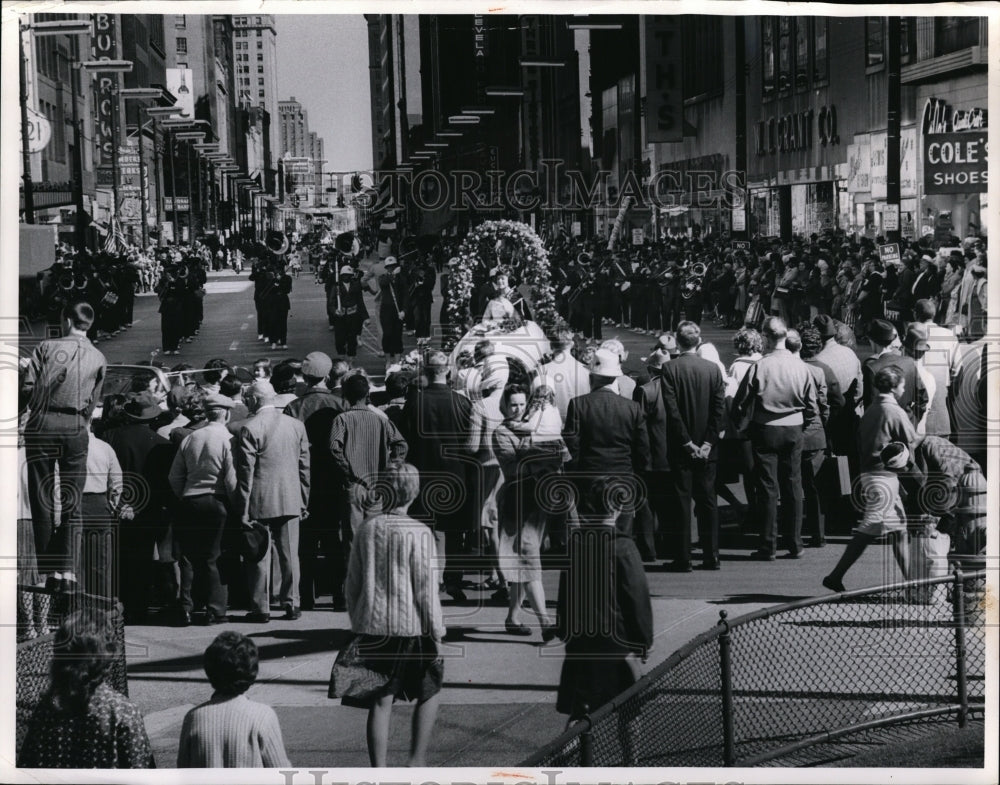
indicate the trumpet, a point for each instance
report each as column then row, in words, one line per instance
column 81, row 281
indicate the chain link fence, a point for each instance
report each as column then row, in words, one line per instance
column 34, row 656
column 799, row 683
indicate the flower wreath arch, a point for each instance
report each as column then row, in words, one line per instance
column 514, row 247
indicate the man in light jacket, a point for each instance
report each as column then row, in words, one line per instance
column 272, row 471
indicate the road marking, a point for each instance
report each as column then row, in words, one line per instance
column 227, row 287
column 249, row 316
column 233, row 345
column 244, row 326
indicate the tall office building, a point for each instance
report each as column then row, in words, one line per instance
column 255, row 57
column 293, row 127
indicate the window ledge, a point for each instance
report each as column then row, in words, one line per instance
column 971, row 58
column 874, row 69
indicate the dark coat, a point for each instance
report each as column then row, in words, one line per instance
column 650, row 397
column 606, row 434
column 145, row 459
column 436, row 423
column 695, row 398
column 914, row 397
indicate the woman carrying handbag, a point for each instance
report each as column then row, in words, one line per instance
column 392, row 600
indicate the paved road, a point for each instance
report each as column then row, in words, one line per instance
column 499, row 690
column 229, row 329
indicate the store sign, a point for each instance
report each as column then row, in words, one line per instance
column 956, row 163
column 39, row 131
column 104, row 46
column 797, row 131
column 879, row 165
column 939, row 118
column 889, row 254
column 182, row 203
column 859, row 163
column 664, row 89
column 890, row 218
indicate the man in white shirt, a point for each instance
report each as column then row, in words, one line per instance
column 942, row 360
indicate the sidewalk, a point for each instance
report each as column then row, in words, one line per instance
column 498, row 702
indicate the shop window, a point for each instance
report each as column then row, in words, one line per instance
column 768, row 84
column 702, row 65
column 801, row 53
column 821, row 45
column 182, row 45
column 907, row 40
column 874, row 40
column 952, row 33
column 784, row 53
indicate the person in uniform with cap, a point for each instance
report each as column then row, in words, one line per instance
column 273, row 483
column 350, row 313
column 885, row 352
column 203, row 478
column 392, row 310
column 606, row 436
column 319, row 532
column 145, row 457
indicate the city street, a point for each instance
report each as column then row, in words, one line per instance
column 514, row 678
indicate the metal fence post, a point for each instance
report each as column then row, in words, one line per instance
column 728, row 720
column 958, row 605
column 587, row 739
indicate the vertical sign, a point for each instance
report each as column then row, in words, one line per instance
column 908, row 163
column 880, row 165
column 129, row 174
column 664, row 90
column 104, row 46
column 479, row 49
column 859, row 163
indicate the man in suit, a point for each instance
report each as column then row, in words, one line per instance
column 436, row 422
column 320, row 532
column 885, row 352
column 272, row 472
column 657, row 508
column 606, row 436
column 694, row 396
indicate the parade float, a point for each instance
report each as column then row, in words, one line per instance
column 499, row 248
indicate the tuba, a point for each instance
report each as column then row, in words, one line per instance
column 693, row 280
column 277, row 242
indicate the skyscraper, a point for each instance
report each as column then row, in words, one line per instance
column 255, row 57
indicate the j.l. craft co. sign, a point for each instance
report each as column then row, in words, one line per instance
column 797, row 131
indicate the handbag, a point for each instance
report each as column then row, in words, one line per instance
column 836, row 474
column 351, row 678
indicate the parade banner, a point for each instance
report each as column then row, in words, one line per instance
column 956, row 163
column 664, row 90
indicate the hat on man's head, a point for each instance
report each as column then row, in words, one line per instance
column 667, row 343
column 882, row 332
column 615, row 346
column 347, row 270
column 317, row 364
column 606, row 363
column 391, row 261
column 142, row 407
column 895, row 455
column 917, row 337
column 216, row 401
column 826, row 325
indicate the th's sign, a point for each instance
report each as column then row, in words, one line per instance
column 956, row 163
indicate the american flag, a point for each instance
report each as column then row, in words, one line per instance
column 115, row 241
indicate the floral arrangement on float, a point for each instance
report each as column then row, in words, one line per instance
column 510, row 247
